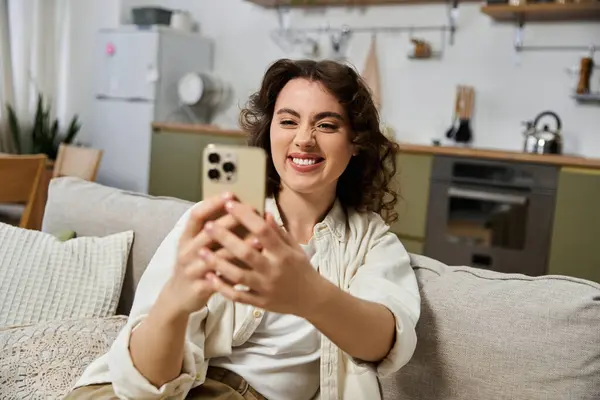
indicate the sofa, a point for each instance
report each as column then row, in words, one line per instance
column 481, row 335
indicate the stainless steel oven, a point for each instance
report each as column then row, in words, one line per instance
column 491, row 214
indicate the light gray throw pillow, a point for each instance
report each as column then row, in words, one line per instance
column 44, row 279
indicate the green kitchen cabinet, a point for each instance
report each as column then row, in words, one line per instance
column 176, row 162
column 413, row 180
column 576, row 229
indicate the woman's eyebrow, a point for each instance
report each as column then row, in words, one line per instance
column 328, row 114
column 288, row 111
column 319, row 116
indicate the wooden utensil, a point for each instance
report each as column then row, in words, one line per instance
column 371, row 73
column 464, row 134
column 459, row 105
column 585, row 75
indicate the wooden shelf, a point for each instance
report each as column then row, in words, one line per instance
column 160, row 127
column 545, row 12
column 341, row 3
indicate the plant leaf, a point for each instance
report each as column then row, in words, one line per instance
column 72, row 131
column 37, row 129
column 15, row 129
column 54, row 131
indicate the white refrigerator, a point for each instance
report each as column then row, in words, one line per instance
column 136, row 79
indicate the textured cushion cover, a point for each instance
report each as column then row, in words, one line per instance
column 486, row 335
column 91, row 209
column 44, row 361
column 44, row 279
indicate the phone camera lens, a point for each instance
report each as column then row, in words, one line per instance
column 214, row 174
column 229, row 167
column 214, row 158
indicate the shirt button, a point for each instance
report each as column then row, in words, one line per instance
column 257, row 313
column 198, row 377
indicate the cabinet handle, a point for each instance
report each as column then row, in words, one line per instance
column 488, row 196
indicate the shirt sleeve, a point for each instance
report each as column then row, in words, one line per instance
column 386, row 277
column 127, row 381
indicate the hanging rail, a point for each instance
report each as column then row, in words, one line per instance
column 556, row 48
column 376, row 29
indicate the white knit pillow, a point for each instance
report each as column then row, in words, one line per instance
column 44, row 279
column 43, row 361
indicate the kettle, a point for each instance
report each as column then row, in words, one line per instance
column 543, row 141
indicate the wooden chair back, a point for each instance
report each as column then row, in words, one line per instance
column 20, row 180
column 81, row 162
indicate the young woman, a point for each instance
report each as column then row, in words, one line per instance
column 333, row 301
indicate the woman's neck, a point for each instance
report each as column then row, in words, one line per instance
column 301, row 212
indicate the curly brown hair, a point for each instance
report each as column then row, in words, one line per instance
column 365, row 183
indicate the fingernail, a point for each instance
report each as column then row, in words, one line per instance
column 203, row 253
column 229, row 205
column 208, row 226
column 227, row 196
column 256, row 243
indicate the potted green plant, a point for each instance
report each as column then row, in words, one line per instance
column 43, row 135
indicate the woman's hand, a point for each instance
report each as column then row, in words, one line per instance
column 280, row 277
column 188, row 289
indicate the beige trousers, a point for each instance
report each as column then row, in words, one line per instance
column 220, row 384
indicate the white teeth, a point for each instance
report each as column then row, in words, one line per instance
column 304, row 161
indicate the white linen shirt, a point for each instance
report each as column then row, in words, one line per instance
column 355, row 251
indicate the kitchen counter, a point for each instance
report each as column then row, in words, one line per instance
column 559, row 160
column 407, row 148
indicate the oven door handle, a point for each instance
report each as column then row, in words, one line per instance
column 488, row 196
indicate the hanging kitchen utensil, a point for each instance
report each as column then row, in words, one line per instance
column 371, row 73
column 545, row 140
column 455, row 119
column 585, row 75
column 420, row 49
column 339, row 43
column 464, row 134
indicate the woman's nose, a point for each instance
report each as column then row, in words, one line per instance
column 305, row 137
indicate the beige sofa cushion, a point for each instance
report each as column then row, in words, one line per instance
column 44, row 361
column 486, row 335
column 91, row 209
column 44, row 279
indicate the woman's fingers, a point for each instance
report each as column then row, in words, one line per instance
column 203, row 212
column 282, row 232
column 246, row 216
column 232, row 294
column 202, row 239
column 233, row 274
column 242, row 250
column 196, row 269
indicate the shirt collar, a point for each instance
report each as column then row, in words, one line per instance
column 335, row 220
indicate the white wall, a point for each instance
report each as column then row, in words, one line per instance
column 418, row 95
column 85, row 19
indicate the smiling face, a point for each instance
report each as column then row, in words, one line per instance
column 310, row 138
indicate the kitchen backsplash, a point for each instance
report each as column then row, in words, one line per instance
column 418, row 96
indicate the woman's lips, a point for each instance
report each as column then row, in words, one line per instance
column 304, row 163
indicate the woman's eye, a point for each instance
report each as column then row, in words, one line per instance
column 287, row 122
column 327, row 127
